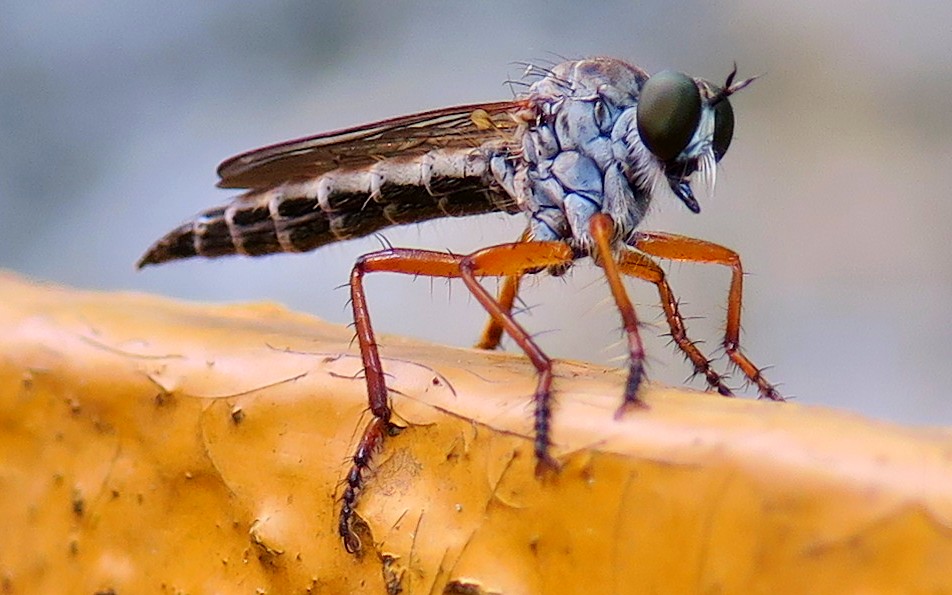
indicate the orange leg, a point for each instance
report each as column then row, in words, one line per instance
column 512, row 261
column 639, row 265
column 602, row 229
column 507, row 260
column 492, row 332
column 675, row 247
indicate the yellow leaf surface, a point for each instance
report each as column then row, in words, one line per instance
column 152, row 446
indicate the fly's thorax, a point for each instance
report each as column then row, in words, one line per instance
column 601, row 136
column 580, row 153
column 615, row 81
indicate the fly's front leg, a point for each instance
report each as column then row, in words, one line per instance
column 675, row 247
column 413, row 262
column 642, row 267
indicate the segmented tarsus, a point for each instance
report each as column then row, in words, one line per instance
column 370, row 442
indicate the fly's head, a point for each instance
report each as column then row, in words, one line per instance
column 686, row 124
column 602, row 136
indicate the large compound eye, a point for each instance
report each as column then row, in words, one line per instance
column 723, row 128
column 669, row 110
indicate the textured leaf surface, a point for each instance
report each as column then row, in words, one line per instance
column 152, row 446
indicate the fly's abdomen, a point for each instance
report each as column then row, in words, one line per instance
column 339, row 205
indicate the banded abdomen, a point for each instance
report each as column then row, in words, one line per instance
column 342, row 204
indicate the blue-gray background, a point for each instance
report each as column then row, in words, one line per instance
column 836, row 192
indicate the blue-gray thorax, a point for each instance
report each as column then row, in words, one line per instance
column 582, row 154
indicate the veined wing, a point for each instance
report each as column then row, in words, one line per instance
column 410, row 135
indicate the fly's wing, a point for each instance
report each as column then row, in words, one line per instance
column 405, row 136
column 282, row 212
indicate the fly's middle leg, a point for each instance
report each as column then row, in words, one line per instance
column 602, row 229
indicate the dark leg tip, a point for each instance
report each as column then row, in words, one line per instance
column 636, row 376
column 724, row 391
column 546, row 466
column 629, row 404
column 772, row 395
column 351, row 543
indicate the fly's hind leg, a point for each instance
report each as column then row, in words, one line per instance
column 507, row 260
column 492, row 333
column 513, row 261
column 412, row 262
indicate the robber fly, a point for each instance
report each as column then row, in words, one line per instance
column 582, row 154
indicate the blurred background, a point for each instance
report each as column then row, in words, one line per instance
column 836, row 190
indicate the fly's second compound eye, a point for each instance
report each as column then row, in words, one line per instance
column 669, row 109
column 723, row 128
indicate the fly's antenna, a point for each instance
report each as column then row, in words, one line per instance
column 730, row 87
